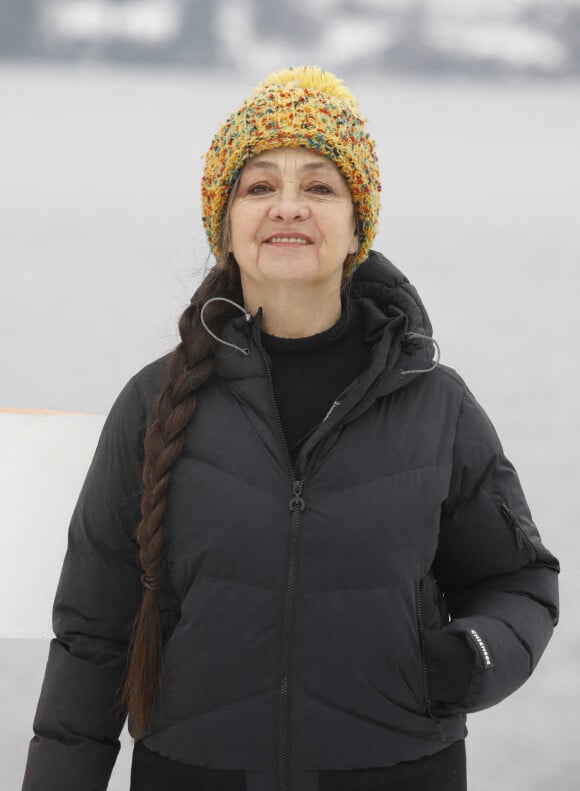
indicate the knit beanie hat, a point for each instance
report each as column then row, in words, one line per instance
column 302, row 106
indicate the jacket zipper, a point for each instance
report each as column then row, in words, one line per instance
column 296, row 505
column 424, row 665
column 521, row 538
column 310, row 464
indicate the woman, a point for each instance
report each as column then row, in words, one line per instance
column 334, row 561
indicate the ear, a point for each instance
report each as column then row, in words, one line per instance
column 353, row 247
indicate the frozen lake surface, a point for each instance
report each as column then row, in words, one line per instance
column 101, row 246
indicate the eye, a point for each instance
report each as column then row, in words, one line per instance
column 320, row 189
column 260, row 188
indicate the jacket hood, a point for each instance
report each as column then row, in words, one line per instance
column 378, row 280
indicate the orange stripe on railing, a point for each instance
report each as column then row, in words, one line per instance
column 17, row 411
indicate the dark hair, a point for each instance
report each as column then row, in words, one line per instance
column 190, row 365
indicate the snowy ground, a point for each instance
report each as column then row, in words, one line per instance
column 101, row 245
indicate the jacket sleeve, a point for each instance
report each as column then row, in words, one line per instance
column 77, row 725
column 499, row 580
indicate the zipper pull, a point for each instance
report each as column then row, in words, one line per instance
column 297, row 500
column 519, row 537
column 330, row 411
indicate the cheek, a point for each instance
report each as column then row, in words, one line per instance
column 244, row 226
column 244, row 233
column 238, row 230
column 346, row 226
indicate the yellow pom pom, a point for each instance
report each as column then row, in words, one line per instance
column 313, row 78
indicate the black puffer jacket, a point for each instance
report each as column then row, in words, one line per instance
column 296, row 601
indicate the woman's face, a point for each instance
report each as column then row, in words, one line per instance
column 291, row 221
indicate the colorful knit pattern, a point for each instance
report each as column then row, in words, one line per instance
column 303, row 106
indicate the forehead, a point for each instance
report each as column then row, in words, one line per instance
column 299, row 158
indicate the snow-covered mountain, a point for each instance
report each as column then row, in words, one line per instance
column 478, row 38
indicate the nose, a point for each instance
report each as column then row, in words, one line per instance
column 289, row 207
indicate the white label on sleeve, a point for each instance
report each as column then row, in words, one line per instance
column 481, row 647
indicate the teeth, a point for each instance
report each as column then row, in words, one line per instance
column 288, row 239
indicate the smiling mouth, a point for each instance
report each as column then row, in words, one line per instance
column 300, row 240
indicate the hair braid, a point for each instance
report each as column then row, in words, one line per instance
column 190, row 365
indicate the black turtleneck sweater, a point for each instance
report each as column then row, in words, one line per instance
column 307, row 375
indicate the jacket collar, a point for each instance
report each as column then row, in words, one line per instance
column 379, row 280
column 395, row 321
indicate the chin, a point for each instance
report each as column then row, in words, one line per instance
column 286, row 271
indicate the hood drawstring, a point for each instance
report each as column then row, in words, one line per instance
column 411, row 335
column 245, row 351
column 248, row 316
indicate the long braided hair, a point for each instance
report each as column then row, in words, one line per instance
column 190, row 365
